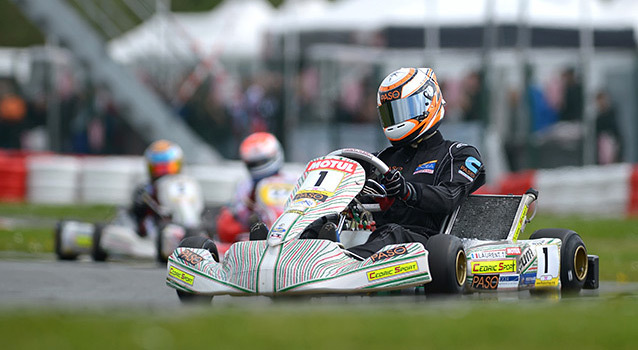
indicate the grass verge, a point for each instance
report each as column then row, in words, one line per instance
column 586, row 324
column 615, row 241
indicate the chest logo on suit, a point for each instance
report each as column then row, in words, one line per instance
column 425, row 168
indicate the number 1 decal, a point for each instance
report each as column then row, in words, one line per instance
column 322, row 175
column 546, row 258
column 323, row 180
column 548, row 265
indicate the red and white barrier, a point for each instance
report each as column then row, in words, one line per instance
column 109, row 180
column 55, row 179
column 13, row 176
column 590, row 190
column 52, row 179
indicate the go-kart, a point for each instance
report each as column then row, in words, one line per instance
column 271, row 195
column 466, row 256
column 177, row 213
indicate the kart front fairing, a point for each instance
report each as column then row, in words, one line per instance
column 285, row 264
column 326, row 187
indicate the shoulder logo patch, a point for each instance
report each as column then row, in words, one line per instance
column 470, row 169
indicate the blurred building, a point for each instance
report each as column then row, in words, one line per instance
column 519, row 77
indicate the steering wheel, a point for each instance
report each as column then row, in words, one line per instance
column 372, row 187
column 367, row 157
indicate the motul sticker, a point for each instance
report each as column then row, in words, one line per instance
column 513, row 251
column 333, row 164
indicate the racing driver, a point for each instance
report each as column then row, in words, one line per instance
column 263, row 157
column 162, row 158
column 430, row 176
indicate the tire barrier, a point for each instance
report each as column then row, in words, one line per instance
column 13, row 177
column 610, row 190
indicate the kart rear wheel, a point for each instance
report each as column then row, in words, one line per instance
column 202, row 243
column 97, row 252
column 573, row 257
column 58, row 244
column 448, row 265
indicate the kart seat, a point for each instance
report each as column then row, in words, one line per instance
column 490, row 217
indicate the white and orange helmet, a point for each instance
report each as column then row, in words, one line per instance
column 262, row 154
column 410, row 104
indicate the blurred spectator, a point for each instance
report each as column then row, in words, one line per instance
column 542, row 114
column 572, row 102
column 100, row 127
column 35, row 135
column 256, row 107
column 556, row 135
column 13, row 111
column 205, row 113
column 516, row 149
column 307, row 89
column 350, row 99
column 473, row 101
column 454, row 90
column 608, row 136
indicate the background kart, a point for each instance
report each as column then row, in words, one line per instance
column 271, row 195
column 466, row 256
column 179, row 208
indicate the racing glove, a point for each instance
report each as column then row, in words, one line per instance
column 396, row 186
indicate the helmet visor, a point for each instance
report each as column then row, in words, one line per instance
column 398, row 111
column 258, row 163
column 164, row 168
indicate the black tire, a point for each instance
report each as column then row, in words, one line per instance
column 448, row 265
column 573, row 257
column 203, row 243
column 159, row 256
column 189, row 232
column 97, row 253
column 58, row 244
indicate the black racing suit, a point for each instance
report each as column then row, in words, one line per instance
column 443, row 174
column 140, row 208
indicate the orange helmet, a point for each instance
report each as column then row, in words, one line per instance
column 163, row 158
column 410, row 104
column 262, row 154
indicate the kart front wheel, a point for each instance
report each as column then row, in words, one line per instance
column 573, row 257
column 59, row 252
column 201, row 243
column 448, row 265
column 159, row 247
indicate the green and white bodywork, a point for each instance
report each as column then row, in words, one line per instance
column 285, row 264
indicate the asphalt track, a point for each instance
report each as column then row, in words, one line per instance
column 44, row 281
